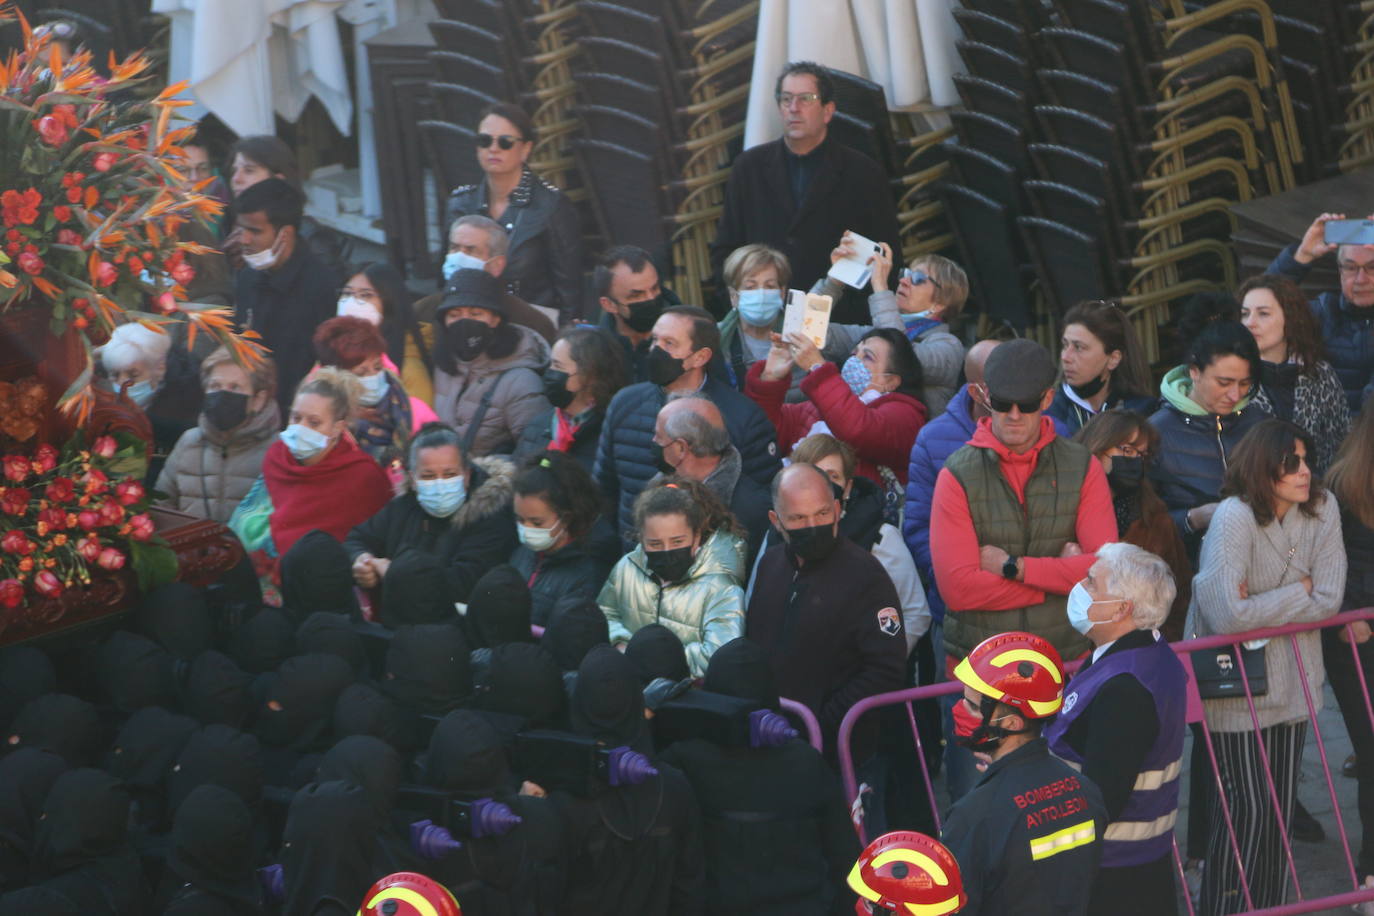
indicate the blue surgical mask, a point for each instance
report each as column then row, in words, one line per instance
column 537, row 539
column 303, row 442
column 141, row 392
column 441, row 497
column 856, row 375
column 760, row 307
column 455, row 261
column 1079, row 603
column 374, row 389
column 913, row 317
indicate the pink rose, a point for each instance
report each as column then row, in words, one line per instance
column 52, row 130
column 15, row 501
column 16, row 468
column 46, row 458
column 61, row 490
column 16, row 543
column 128, row 492
column 88, row 519
column 89, row 548
column 110, row 559
column 55, row 519
column 141, row 527
column 96, row 481
column 111, row 513
column 103, row 161
column 30, row 263
column 46, row 584
column 105, row 447
column 183, row 273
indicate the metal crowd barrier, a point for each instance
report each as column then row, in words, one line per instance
column 1194, row 716
column 808, row 719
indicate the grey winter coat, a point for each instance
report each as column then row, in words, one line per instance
column 209, row 471
column 705, row 610
column 517, row 398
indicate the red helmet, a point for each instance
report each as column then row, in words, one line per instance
column 1018, row 669
column 406, row 893
column 907, row 872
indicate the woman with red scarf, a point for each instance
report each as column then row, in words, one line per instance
column 587, row 368
column 313, row 477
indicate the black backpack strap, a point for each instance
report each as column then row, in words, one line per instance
column 470, row 435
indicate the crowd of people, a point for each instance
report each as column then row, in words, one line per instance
column 528, row 562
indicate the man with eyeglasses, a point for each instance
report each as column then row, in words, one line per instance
column 1346, row 317
column 1017, row 516
column 802, row 191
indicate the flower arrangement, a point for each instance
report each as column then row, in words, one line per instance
column 65, row 513
column 92, row 206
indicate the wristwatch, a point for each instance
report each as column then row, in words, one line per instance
column 1009, row 568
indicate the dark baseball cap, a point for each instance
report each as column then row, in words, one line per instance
column 1019, row 370
column 469, row 288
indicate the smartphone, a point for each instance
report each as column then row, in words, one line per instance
column 1348, row 232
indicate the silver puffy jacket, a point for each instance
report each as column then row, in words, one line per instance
column 705, row 610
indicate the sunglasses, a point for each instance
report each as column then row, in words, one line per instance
column 505, row 141
column 1000, row 406
column 917, row 277
column 1290, row 464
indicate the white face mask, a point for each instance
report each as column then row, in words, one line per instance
column 455, row 261
column 374, row 389
column 353, row 307
column 303, row 442
column 1080, row 601
column 262, row 260
column 537, row 539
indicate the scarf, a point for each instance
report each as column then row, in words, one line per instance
column 565, row 429
column 307, row 497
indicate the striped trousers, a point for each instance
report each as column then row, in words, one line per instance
column 1252, row 812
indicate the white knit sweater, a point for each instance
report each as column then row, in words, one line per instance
column 1235, row 550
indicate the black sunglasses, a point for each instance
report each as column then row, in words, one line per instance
column 505, row 141
column 1290, row 464
column 1000, row 406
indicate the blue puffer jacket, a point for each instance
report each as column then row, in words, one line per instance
column 1194, row 448
column 1071, row 416
column 624, row 459
column 936, row 441
column 1347, row 331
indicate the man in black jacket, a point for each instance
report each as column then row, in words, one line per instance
column 825, row 610
column 284, row 291
column 800, row 193
column 685, row 339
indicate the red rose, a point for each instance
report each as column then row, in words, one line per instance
column 16, row 468
column 30, row 263
column 69, row 237
column 66, row 114
column 111, row 513
column 20, row 208
column 55, row 519
column 62, row 212
column 95, row 480
column 103, row 161
column 52, row 130
column 61, row 490
column 11, row 593
column 183, row 273
column 89, row 548
column 88, row 519
column 141, row 527
column 46, row 458
column 46, row 584
column 105, row 273
column 15, row 501
column 72, row 178
column 16, row 542
column 128, row 492
column 73, row 195
column 105, row 446
column 110, row 559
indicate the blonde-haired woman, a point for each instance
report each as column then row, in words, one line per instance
column 313, row 477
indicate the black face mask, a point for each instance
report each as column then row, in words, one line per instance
column 225, row 409
column 1126, row 473
column 468, row 337
column 663, row 368
column 656, row 452
column 556, row 388
column 1092, row 388
column 811, row 544
column 644, row 313
column 670, row 565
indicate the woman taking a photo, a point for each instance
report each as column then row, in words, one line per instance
column 544, row 263
column 556, row 505
column 587, row 368
column 686, row 573
column 1296, row 384
column 1272, row 556
column 1124, row 442
column 1101, row 366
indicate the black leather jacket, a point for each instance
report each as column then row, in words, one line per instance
column 544, row 263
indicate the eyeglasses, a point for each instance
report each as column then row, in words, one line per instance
column 1000, row 406
column 917, row 277
column 786, row 99
column 1350, row 269
column 1130, row 451
column 505, row 141
column 367, row 295
column 1290, row 463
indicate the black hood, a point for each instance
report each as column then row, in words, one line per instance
column 134, row 672
column 573, row 630
column 466, row 756
column 741, row 668
column 222, row 756
column 367, row 762
column 428, row 668
column 26, row 776
column 85, row 818
column 655, row 651
column 62, row 724
column 212, row 845
column 26, row 673
column 177, row 617
column 523, row 680
column 608, row 702
column 332, row 634
column 414, row 590
column 148, row 745
column 499, row 609
column 316, row 576
column 327, row 846
column 362, row 710
column 298, row 701
column 263, row 641
column 217, row 690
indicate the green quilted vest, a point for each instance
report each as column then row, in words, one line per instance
column 1039, row 529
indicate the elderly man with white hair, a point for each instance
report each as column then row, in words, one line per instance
column 136, row 356
column 1122, row 724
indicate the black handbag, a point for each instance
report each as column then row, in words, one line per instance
column 1217, row 672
